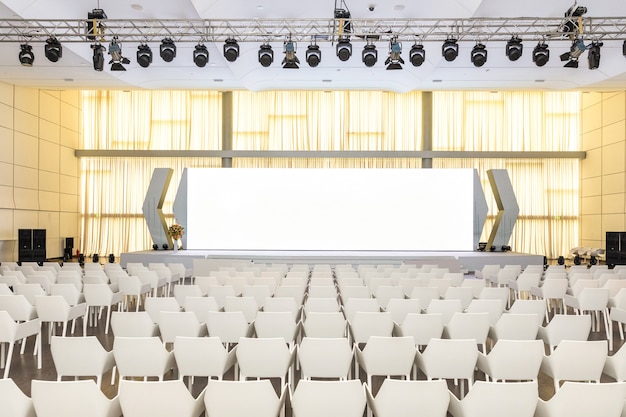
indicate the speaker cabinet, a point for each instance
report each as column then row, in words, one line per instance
column 39, row 239
column 616, row 248
column 32, row 245
column 25, row 239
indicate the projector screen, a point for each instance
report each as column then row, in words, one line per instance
column 330, row 209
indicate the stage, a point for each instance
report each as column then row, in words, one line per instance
column 467, row 261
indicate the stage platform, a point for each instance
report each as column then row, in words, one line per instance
column 466, row 261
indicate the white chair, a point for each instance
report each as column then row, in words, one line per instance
column 386, row 356
column 228, row 326
column 259, row 292
column 521, row 286
column 99, row 297
column 325, row 357
column 367, row 324
column 399, row 308
column 577, row 399
column 30, row 291
column 247, row 305
column 283, row 304
column 265, row 358
column 159, row 399
column 180, row 323
column 565, row 327
column 537, row 307
column 552, row 291
column 133, row 289
column 325, row 325
column 492, row 307
column 385, row 293
column 54, row 309
column 496, row 399
column 202, row 357
column 329, row 398
column 14, row 402
column 496, row 293
column 354, row 305
column 445, row 307
column 72, row 399
column 181, row 292
column 200, row 306
column 72, row 295
column 277, row 324
column 465, row 294
column 224, row 399
column 514, row 327
column 565, row 364
column 18, row 307
column 595, row 302
column 80, row 356
column 615, row 365
column 397, row 398
column 321, row 305
column 152, row 277
column 421, row 327
column 512, row 360
column 133, row 324
column 468, row 326
column 154, row 306
column 142, row 357
column 476, row 285
column 12, row 332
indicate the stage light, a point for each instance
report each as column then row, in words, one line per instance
column 344, row 49
column 111, row 258
column 576, row 50
column 117, row 60
column 561, row 260
column 478, row 55
column 541, row 54
column 514, row 48
column 155, row 246
column 200, row 55
column 144, row 55
column 98, row 56
column 231, row 50
column 53, row 49
column 167, row 50
column 313, row 55
column 506, row 248
column 417, row 54
column 26, row 55
column 95, row 258
column 450, row 49
column 81, row 259
column 394, row 60
column 94, row 26
column 624, row 48
column 266, row 55
column 577, row 260
column 482, row 246
column 573, row 23
column 593, row 260
column 593, row 55
column 165, row 246
column 290, row 60
column 369, row 56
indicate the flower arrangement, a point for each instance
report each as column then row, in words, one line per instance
column 176, row 231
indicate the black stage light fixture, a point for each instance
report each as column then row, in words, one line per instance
column 450, row 49
column 200, row 55
column 98, row 56
column 593, row 260
column 394, row 60
column 541, row 54
column 577, row 260
column 593, row 56
column 624, row 48
column 290, row 60
column 482, row 246
column 167, row 50
column 576, row 50
column 95, row 258
column 53, row 49
column 344, row 49
column 231, row 50
column 111, row 258
column 417, row 54
column 155, row 246
column 266, row 55
column 117, row 60
column 313, row 55
column 561, row 260
column 144, row 55
column 478, row 55
column 94, row 26
column 369, row 56
column 165, row 246
column 573, row 20
column 81, row 259
column 514, row 48
column 26, row 55
column 506, row 248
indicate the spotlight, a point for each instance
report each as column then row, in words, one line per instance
column 200, row 55
column 155, row 246
column 313, row 55
column 541, row 54
column 479, row 55
column 593, row 260
column 111, row 258
column 231, row 50
column 117, row 60
column 394, row 60
column 144, row 55
column 450, row 49
column 26, row 55
column 593, row 55
column 482, row 246
column 266, row 55
column 577, row 260
column 561, row 260
column 94, row 26
column 81, row 259
column 506, row 248
column 95, row 258
column 344, row 49
column 624, row 48
column 165, row 246
column 514, row 48
column 573, row 22
column 576, row 50
column 98, row 56
column 167, row 50
column 369, row 56
column 53, row 49
column 290, row 60
column 417, row 55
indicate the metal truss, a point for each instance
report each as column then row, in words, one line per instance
column 312, row 30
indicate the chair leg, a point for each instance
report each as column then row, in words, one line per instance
column 8, row 360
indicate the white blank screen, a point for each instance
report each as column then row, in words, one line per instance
column 330, row 209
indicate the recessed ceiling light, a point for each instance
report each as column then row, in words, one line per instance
column 69, row 80
column 540, row 81
column 398, row 7
column 259, row 7
column 326, row 81
column 437, row 81
column 218, row 80
column 136, row 6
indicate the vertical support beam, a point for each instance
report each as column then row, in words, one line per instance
column 427, row 126
column 227, row 127
column 153, row 206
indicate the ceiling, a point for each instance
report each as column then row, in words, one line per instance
column 75, row 70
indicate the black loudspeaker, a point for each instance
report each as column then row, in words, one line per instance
column 25, row 239
column 95, row 258
column 39, row 239
column 69, row 242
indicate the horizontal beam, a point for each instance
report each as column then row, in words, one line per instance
column 107, row 153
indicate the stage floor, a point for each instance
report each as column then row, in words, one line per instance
column 468, row 260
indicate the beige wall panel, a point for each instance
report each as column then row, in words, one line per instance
column 26, row 177
column 613, row 203
column 6, row 94
column 591, row 186
column 6, row 116
column 25, row 219
column 592, row 140
column 70, row 117
column 591, row 205
column 613, row 133
column 612, row 222
column 592, row 243
column 26, row 150
column 591, row 227
column 69, row 138
column 6, row 144
column 71, row 97
column 50, row 220
column 68, row 185
column 49, row 131
column 49, row 181
column 27, row 100
column 6, row 174
column 69, row 202
column 26, row 123
column 591, row 118
column 26, row 199
column 589, row 99
column 49, row 108
column 49, row 156
column 6, row 198
column 613, row 109
column 69, row 225
column 7, row 232
column 614, row 183
column 68, row 162
column 613, row 158
column 49, row 201
column 591, row 166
